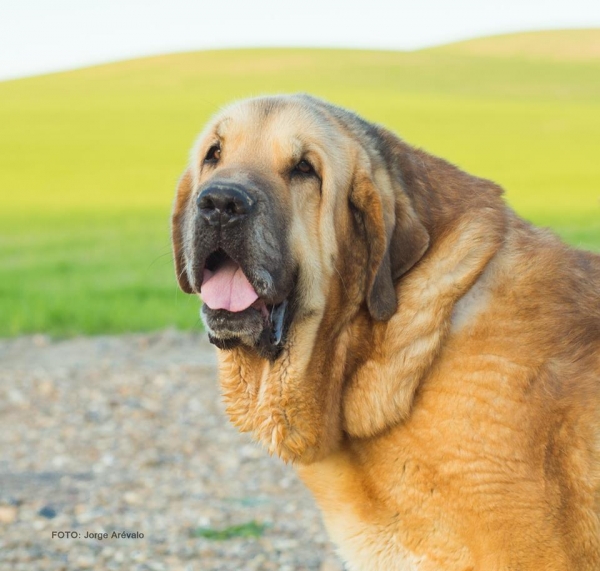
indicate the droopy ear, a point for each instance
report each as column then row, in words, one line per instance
column 396, row 240
column 184, row 188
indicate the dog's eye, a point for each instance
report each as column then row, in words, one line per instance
column 304, row 168
column 213, row 155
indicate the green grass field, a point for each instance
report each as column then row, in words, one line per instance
column 89, row 159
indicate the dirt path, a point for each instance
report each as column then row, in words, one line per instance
column 127, row 434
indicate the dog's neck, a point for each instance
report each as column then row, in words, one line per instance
column 325, row 383
column 427, row 296
column 292, row 406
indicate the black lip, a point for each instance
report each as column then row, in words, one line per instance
column 224, row 344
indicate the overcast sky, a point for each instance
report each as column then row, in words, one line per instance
column 38, row 36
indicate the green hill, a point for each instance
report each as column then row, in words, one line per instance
column 90, row 158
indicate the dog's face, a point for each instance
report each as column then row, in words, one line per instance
column 285, row 200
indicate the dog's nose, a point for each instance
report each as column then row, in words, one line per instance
column 225, row 204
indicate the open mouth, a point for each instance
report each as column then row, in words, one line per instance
column 233, row 308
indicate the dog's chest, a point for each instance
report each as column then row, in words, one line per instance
column 367, row 539
column 369, row 548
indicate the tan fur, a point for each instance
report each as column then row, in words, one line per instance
column 439, row 391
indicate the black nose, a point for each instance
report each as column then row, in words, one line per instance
column 224, row 204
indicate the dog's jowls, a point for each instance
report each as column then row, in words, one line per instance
column 428, row 360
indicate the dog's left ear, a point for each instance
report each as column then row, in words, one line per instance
column 184, row 188
column 396, row 239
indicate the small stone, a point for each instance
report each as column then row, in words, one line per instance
column 251, row 452
column 16, row 397
column 46, row 388
column 107, row 459
column 84, row 562
column 79, row 509
column 8, row 514
column 285, row 543
column 59, row 462
column 85, row 517
column 40, row 340
column 131, row 498
column 331, row 563
column 138, row 556
column 47, row 512
column 150, row 405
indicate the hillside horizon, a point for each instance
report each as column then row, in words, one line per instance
column 576, row 44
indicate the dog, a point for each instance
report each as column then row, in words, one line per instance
column 429, row 361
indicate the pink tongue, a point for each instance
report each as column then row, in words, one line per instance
column 227, row 288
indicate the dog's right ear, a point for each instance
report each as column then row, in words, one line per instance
column 380, row 292
column 395, row 242
column 184, row 189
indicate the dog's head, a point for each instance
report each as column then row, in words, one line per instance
column 299, row 224
column 287, row 199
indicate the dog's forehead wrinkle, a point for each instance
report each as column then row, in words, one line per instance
column 267, row 105
column 371, row 137
column 221, row 126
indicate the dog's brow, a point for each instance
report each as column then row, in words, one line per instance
column 220, row 127
column 298, row 148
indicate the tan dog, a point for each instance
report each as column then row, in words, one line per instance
column 428, row 360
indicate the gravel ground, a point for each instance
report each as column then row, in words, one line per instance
column 128, row 434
